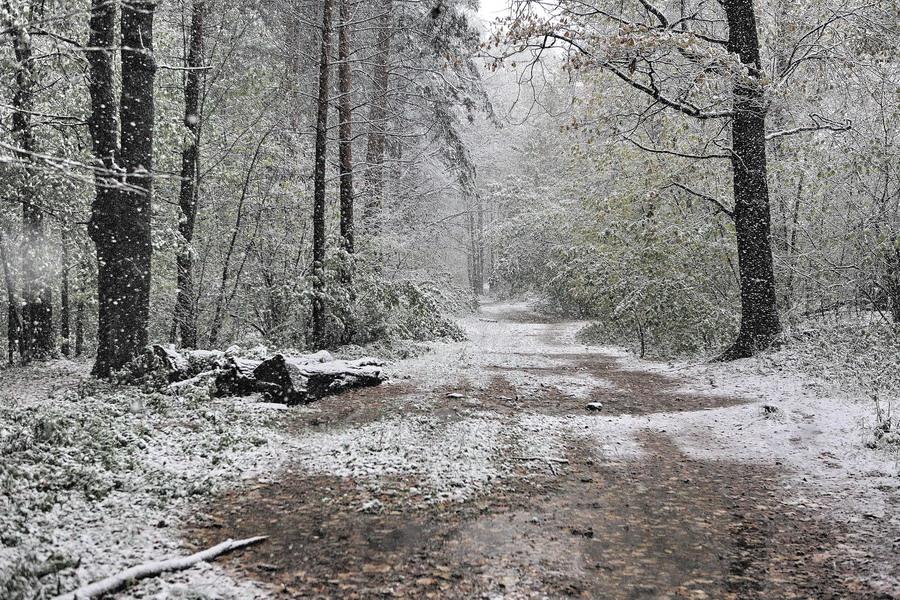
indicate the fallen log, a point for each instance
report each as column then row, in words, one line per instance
column 119, row 581
column 161, row 363
column 287, row 379
column 235, row 377
column 306, row 378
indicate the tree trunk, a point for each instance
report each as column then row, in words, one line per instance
column 345, row 116
column 318, row 300
column 185, row 307
column 79, row 314
column 345, row 132
column 378, row 121
column 759, row 314
column 120, row 219
column 475, row 226
column 64, row 329
column 37, row 308
column 892, row 278
column 13, row 320
column 104, row 129
column 479, row 243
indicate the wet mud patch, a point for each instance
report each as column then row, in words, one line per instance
column 525, row 317
column 620, row 391
column 354, row 407
column 664, row 527
column 672, row 526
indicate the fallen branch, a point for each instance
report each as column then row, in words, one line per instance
column 117, row 582
column 548, row 459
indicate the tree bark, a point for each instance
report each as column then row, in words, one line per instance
column 121, row 213
column 378, row 121
column 104, row 129
column 318, row 300
column 37, row 309
column 759, row 314
column 185, row 306
column 64, row 329
column 345, row 116
column 79, row 313
column 13, row 316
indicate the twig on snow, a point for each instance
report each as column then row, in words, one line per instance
column 152, row 569
column 549, row 459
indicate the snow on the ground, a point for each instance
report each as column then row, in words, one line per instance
column 818, row 432
column 100, row 478
column 104, row 476
column 453, row 460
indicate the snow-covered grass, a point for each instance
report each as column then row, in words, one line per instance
column 853, row 360
column 97, row 477
column 452, row 460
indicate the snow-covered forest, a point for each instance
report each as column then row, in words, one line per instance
column 449, row 299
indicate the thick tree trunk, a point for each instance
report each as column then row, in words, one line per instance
column 37, row 307
column 759, row 314
column 185, row 307
column 120, row 219
column 318, row 301
column 375, row 148
column 104, row 129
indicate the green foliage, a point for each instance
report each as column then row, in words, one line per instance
column 608, row 237
column 403, row 310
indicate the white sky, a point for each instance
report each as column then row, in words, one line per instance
column 491, row 9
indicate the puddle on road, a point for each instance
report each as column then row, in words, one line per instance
column 622, row 392
column 666, row 526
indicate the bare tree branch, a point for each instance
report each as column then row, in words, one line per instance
column 722, row 208
column 820, row 123
column 675, row 153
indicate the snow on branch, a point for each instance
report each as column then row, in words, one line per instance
column 656, row 12
column 819, row 123
column 675, row 153
column 655, row 93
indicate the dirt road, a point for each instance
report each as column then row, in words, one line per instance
column 481, row 473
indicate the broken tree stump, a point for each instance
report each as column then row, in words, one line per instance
column 304, row 379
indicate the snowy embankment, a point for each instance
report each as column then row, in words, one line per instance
column 94, row 479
